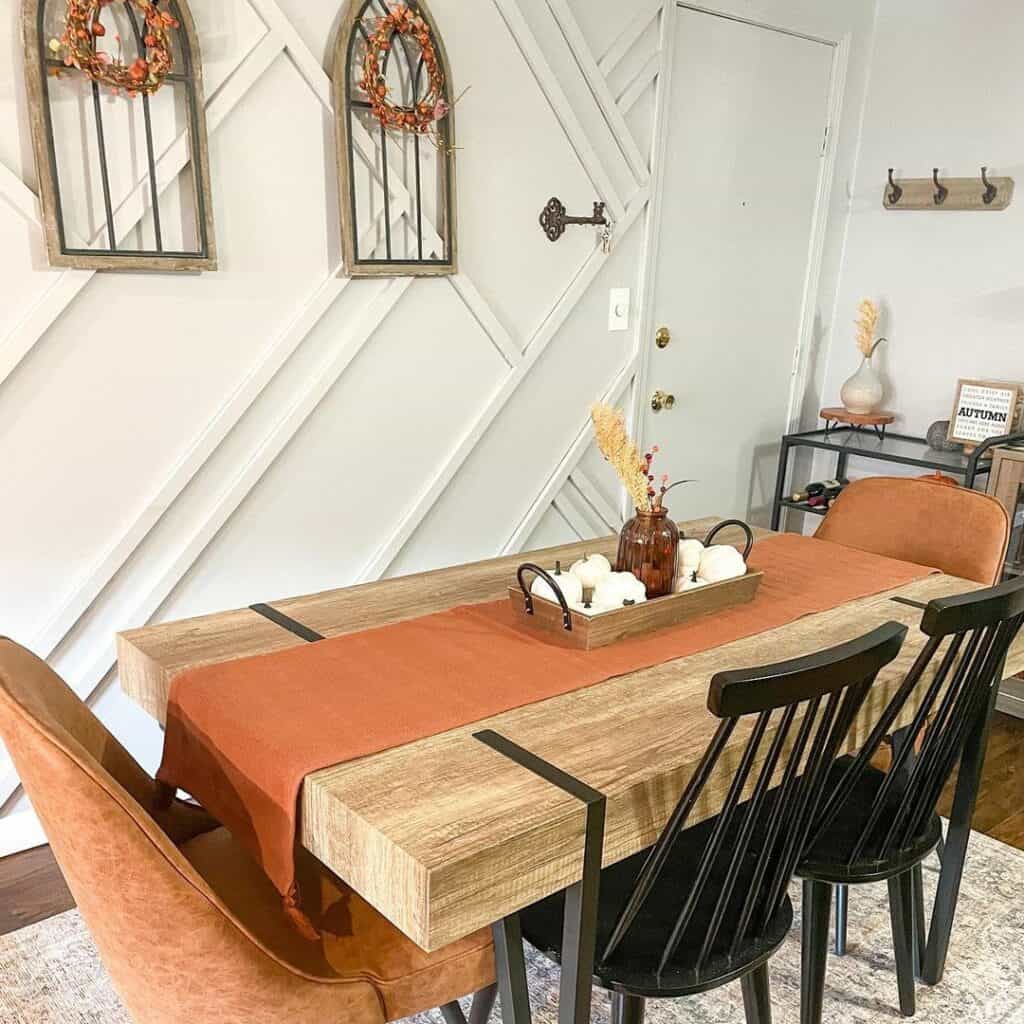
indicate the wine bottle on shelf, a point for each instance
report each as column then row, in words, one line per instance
column 827, row 489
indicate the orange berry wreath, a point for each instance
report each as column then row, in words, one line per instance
column 83, row 27
column 423, row 116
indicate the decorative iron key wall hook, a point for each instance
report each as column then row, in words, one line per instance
column 554, row 220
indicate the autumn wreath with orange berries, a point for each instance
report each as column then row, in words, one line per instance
column 423, row 116
column 82, row 29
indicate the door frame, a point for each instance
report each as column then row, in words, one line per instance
column 793, row 24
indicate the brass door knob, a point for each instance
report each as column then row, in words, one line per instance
column 661, row 400
column 663, row 337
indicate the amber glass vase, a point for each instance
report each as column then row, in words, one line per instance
column 647, row 548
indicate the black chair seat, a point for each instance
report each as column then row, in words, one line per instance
column 633, row 968
column 828, row 859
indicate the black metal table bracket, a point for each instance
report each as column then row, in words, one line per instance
column 286, row 622
column 579, row 934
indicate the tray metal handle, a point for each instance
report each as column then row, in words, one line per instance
column 551, row 582
column 732, row 522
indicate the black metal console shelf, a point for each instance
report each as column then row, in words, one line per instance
column 899, row 449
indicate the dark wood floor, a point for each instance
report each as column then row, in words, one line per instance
column 32, row 887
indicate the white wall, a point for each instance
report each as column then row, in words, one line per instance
column 946, row 90
column 173, row 445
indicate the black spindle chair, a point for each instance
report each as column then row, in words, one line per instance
column 880, row 826
column 708, row 904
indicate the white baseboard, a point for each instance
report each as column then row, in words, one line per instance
column 19, row 832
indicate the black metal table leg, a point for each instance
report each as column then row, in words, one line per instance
column 510, row 967
column 579, row 927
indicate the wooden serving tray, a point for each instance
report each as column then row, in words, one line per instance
column 591, row 631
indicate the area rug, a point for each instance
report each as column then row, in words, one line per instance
column 50, row 973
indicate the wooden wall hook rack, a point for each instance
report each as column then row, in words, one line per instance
column 938, row 193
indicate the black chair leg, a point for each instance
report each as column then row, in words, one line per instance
column 627, row 1009
column 901, row 910
column 842, row 905
column 954, row 850
column 483, row 1004
column 816, row 910
column 920, row 928
column 757, row 996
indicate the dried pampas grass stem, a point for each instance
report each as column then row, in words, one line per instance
column 617, row 447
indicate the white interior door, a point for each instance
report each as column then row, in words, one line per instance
column 746, row 137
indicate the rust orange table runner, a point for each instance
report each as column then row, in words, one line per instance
column 243, row 735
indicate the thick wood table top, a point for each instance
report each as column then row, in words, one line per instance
column 446, row 835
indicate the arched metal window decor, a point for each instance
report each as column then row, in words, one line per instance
column 124, row 183
column 397, row 189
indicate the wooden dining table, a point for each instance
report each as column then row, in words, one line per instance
column 461, row 830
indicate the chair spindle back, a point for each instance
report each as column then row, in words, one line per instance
column 802, row 711
column 976, row 630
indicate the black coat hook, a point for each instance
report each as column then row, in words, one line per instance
column 990, row 190
column 940, row 190
column 895, row 192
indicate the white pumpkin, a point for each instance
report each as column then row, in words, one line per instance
column 690, row 551
column 591, row 570
column 569, row 584
column 689, row 581
column 720, row 562
column 687, row 560
column 616, row 588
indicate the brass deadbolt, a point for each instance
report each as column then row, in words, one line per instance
column 660, row 400
column 663, row 337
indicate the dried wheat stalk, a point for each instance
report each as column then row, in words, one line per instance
column 866, row 323
column 617, row 447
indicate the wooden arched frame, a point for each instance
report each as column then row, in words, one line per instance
column 62, row 249
column 352, row 138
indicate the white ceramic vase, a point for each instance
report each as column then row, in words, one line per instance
column 862, row 393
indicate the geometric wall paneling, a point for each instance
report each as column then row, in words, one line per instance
column 552, row 530
column 511, row 454
column 405, row 451
column 219, row 340
column 615, row 393
column 98, row 146
column 390, row 63
column 172, row 549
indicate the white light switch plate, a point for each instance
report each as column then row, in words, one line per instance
column 618, row 309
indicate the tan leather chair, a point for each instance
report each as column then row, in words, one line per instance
column 960, row 531
column 188, row 926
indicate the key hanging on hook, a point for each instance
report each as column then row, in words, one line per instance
column 606, row 239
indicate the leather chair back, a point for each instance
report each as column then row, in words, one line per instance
column 173, row 948
column 959, row 531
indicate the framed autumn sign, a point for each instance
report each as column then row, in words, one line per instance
column 396, row 141
column 984, row 409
